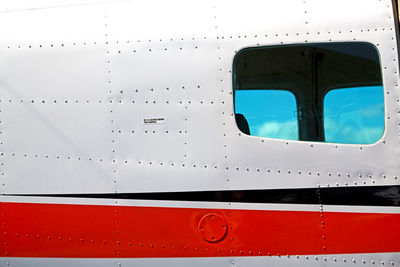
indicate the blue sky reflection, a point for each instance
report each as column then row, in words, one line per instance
column 354, row 115
column 269, row 113
column 351, row 115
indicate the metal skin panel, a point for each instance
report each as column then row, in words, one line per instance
column 235, row 23
column 136, row 232
column 379, row 259
column 78, row 80
column 175, row 19
column 46, row 25
column 19, row 5
column 70, row 71
column 200, row 85
column 53, row 129
column 61, row 103
column 369, row 15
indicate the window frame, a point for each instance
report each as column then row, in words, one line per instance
column 321, row 112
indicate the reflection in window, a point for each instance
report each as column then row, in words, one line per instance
column 293, row 92
column 269, row 113
column 354, row 115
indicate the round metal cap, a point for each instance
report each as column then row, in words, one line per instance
column 212, row 227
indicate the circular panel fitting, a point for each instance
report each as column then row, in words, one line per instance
column 212, row 227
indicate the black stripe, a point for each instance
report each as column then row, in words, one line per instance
column 357, row 196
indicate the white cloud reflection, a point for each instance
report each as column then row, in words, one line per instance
column 362, row 126
column 282, row 130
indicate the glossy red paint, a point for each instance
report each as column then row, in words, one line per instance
column 94, row 231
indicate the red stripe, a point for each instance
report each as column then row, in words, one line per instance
column 92, row 231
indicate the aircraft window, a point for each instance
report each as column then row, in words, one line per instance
column 269, row 113
column 324, row 92
column 354, row 115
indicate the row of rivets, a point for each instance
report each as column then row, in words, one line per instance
column 227, row 168
column 257, row 36
column 120, row 101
